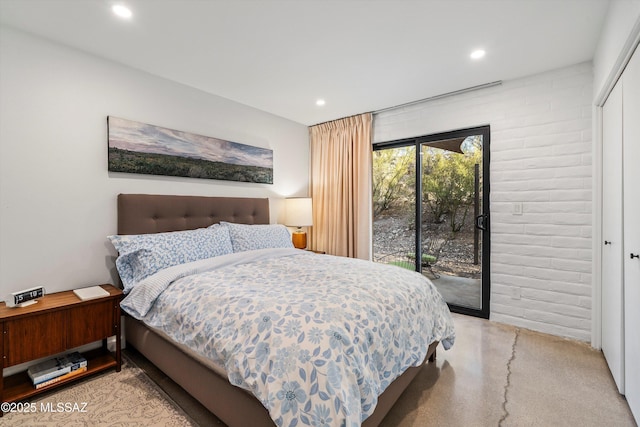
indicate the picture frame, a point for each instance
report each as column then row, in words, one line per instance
column 141, row 148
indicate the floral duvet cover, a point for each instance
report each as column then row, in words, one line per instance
column 316, row 338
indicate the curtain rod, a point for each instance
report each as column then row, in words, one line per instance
column 335, row 120
column 433, row 98
column 444, row 95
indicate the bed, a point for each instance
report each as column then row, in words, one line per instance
column 222, row 379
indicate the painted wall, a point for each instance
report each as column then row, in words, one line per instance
column 540, row 157
column 622, row 17
column 57, row 199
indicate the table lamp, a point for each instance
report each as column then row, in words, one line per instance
column 298, row 213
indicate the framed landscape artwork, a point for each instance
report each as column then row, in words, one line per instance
column 153, row 150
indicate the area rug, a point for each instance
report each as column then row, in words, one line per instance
column 125, row 398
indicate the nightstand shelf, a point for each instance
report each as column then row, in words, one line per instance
column 19, row 386
column 57, row 323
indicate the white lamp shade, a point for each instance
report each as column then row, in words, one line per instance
column 298, row 212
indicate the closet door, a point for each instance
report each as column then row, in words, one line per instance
column 631, row 185
column 612, row 245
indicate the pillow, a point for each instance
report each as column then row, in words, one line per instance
column 141, row 255
column 251, row 237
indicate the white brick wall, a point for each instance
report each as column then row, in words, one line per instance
column 541, row 157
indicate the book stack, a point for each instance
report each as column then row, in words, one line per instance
column 57, row 369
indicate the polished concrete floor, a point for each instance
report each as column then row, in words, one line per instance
column 495, row 375
column 499, row 375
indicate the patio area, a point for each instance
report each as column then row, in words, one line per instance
column 462, row 291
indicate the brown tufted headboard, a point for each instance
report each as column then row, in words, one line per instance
column 150, row 213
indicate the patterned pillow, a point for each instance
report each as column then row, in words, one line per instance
column 251, row 237
column 141, row 255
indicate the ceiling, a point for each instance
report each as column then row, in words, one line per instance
column 358, row 55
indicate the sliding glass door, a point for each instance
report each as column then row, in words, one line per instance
column 442, row 190
column 394, row 206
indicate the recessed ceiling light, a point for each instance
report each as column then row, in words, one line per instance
column 477, row 54
column 122, row 11
column 320, row 102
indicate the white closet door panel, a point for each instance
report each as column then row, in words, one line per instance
column 612, row 246
column 631, row 185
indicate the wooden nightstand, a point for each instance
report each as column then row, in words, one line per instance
column 58, row 322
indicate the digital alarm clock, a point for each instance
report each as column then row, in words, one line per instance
column 25, row 297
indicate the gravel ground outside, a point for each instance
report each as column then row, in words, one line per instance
column 394, row 238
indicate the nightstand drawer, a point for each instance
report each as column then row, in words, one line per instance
column 34, row 337
column 91, row 322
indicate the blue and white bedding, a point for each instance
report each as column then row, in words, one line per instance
column 316, row 338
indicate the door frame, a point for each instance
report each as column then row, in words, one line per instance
column 485, row 131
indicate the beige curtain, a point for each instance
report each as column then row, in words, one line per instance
column 341, row 186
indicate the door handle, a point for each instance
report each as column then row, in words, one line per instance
column 606, row 242
column 635, row 256
column 481, row 222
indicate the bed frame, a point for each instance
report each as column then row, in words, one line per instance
column 142, row 214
